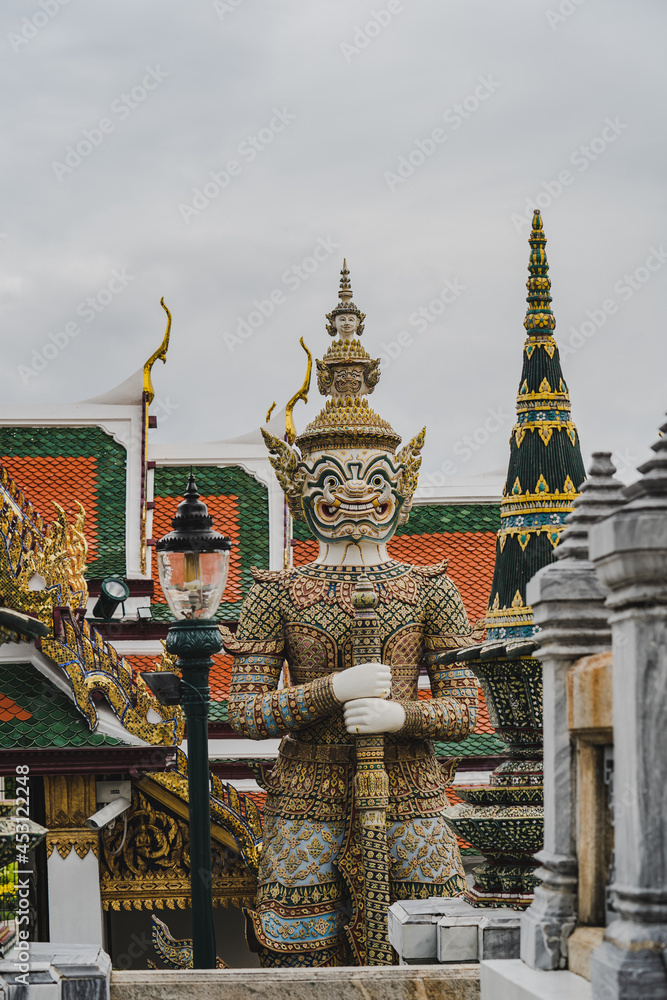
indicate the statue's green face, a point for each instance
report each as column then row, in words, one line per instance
column 352, row 494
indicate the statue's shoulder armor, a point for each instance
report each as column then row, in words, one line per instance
column 431, row 572
column 270, row 575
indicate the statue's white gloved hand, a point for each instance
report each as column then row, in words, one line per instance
column 366, row 680
column 373, row 715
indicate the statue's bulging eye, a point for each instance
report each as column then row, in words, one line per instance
column 378, row 481
column 330, row 483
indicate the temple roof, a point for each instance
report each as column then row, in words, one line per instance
column 36, row 715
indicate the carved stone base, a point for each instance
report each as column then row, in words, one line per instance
column 627, row 975
column 547, row 925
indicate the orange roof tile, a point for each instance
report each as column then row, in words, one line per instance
column 304, row 551
column 259, row 798
column 224, row 511
column 45, row 478
column 483, row 721
column 10, row 711
column 139, row 663
column 220, row 677
column 471, row 556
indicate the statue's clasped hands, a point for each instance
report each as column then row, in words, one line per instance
column 363, row 690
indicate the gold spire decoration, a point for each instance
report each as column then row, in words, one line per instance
column 161, row 353
column 540, row 321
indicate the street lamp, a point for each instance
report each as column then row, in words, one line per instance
column 193, row 561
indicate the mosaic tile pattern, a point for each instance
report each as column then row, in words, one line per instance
column 11, row 712
column 240, row 509
column 68, row 464
column 464, row 846
column 46, row 717
column 463, row 533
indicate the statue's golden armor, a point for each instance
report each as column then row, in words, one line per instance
column 306, row 894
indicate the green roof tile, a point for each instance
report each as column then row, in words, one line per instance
column 54, row 720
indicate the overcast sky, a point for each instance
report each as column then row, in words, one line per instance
column 204, row 150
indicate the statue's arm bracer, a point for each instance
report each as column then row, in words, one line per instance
column 257, row 709
column 451, row 713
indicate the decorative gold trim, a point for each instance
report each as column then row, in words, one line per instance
column 172, row 893
column 57, row 553
column 83, row 841
column 147, row 863
column 524, row 534
column 545, row 429
column 168, row 788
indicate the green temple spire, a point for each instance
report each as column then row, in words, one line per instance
column 539, row 316
column 545, row 468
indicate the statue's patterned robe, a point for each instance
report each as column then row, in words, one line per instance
column 309, row 904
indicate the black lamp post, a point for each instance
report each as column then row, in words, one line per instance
column 193, row 561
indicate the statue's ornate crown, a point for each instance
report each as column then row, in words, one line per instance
column 346, row 373
column 345, row 305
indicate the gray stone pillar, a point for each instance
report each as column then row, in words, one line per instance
column 629, row 550
column 569, row 606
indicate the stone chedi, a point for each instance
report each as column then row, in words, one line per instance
column 354, row 811
column 504, row 820
column 629, row 551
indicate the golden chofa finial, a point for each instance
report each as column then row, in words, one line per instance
column 302, row 393
column 346, row 320
column 160, row 354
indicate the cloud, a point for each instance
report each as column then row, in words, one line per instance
column 323, row 178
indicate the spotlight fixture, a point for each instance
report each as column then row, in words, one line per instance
column 113, row 591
